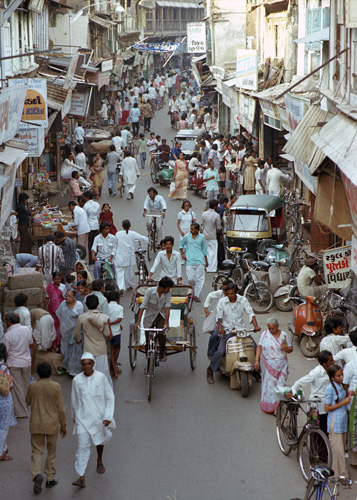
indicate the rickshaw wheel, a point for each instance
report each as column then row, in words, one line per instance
column 132, row 351
column 191, row 333
column 150, row 373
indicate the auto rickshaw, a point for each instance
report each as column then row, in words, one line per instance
column 189, row 140
column 254, row 218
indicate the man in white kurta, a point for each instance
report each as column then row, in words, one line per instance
column 130, row 173
column 92, row 412
column 125, row 255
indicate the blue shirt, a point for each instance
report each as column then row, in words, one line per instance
column 211, row 185
column 195, row 249
column 134, row 114
column 340, row 415
column 175, row 151
column 220, row 210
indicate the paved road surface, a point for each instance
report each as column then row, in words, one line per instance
column 193, row 441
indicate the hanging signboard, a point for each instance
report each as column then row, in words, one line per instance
column 71, row 71
column 11, row 106
column 337, row 267
column 296, row 108
column 196, row 38
column 354, row 254
column 106, row 65
column 157, row 46
column 35, row 107
column 302, row 170
column 34, row 138
column 247, row 69
column 79, row 101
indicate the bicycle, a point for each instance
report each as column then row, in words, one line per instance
column 152, row 356
column 298, row 256
column 313, row 446
column 130, row 147
column 152, row 234
column 142, row 271
column 107, row 275
column 319, row 483
column 295, row 220
column 233, row 269
column 155, row 164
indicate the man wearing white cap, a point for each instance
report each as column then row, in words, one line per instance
column 92, row 411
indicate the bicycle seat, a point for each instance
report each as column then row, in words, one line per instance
column 228, row 264
column 323, row 471
column 260, row 264
column 140, row 251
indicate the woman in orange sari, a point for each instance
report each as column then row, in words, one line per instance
column 180, row 178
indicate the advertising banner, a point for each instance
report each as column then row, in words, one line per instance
column 156, row 46
column 11, row 106
column 196, row 37
column 247, row 69
column 79, row 101
column 337, row 267
column 35, row 107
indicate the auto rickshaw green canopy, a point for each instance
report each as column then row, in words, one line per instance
column 265, row 202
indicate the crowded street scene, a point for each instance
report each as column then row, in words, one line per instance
column 178, row 256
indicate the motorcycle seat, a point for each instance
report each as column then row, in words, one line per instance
column 261, row 264
column 228, row 264
column 164, row 165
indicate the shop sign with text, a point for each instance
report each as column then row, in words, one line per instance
column 11, row 106
column 196, row 38
column 35, row 107
column 247, row 69
column 337, row 267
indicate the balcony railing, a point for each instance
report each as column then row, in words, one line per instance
column 167, row 25
column 130, row 23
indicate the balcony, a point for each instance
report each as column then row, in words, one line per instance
column 130, row 23
column 167, row 26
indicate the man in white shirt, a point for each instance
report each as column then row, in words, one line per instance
column 79, row 133
column 155, row 204
column 103, row 249
column 104, row 111
column 229, row 315
column 93, row 413
column 20, row 301
column 112, row 161
column 192, row 119
column 349, row 353
column 126, row 135
column 118, row 142
column 130, row 172
column 334, row 340
column 170, row 261
column 219, row 142
column 92, row 209
column 173, row 105
column 81, row 221
column 319, row 380
column 152, row 92
column 209, row 310
column 81, row 160
column 211, row 225
column 274, row 178
column 308, row 281
column 183, row 104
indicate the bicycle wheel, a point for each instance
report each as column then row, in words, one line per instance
column 217, row 283
column 314, row 449
column 149, row 250
column 150, row 373
column 260, row 297
column 132, row 351
column 312, row 489
column 296, row 266
column 238, row 276
column 153, row 173
column 154, row 241
column 285, row 427
column 191, row 337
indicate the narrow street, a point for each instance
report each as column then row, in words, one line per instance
column 193, row 441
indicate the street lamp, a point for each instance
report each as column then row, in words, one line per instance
column 73, row 19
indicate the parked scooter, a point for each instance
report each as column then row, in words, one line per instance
column 276, row 274
column 197, row 183
column 238, row 363
column 307, row 324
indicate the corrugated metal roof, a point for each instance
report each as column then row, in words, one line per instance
column 337, row 139
column 300, row 145
column 56, row 96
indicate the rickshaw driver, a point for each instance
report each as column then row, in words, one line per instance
column 156, row 304
column 229, row 315
column 155, row 204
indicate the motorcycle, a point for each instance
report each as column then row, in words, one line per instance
column 238, row 363
column 276, row 274
column 197, row 183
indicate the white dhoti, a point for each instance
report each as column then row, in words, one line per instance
column 196, row 277
column 125, row 277
column 212, row 247
column 44, row 332
column 101, row 365
column 84, row 444
column 130, row 188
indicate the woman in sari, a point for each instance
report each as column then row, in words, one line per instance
column 249, row 172
column 7, row 414
column 54, row 294
column 79, row 266
column 97, row 176
column 180, row 178
column 275, row 347
column 68, row 313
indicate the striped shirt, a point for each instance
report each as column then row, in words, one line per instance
column 50, row 258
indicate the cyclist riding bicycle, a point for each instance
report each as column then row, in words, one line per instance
column 156, row 304
column 155, row 204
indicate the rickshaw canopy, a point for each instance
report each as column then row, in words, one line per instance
column 265, row 202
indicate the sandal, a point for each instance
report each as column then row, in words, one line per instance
column 80, row 483
column 5, row 458
column 100, row 469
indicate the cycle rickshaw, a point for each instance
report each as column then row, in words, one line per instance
column 181, row 336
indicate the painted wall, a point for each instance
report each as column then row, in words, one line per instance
column 229, row 29
column 59, row 33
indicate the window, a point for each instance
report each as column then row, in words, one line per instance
column 252, row 220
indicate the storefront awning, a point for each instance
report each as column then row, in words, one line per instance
column 300, row 145
column 317, row 36
column 104, row 23
column 12, row 155
column 337, row 140
column 179, row 5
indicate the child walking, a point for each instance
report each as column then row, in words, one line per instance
column 106, row 215
column 115, row 317
column 222, row 179
column 336, row 403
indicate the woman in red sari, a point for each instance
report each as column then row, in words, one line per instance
column 54, row 293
